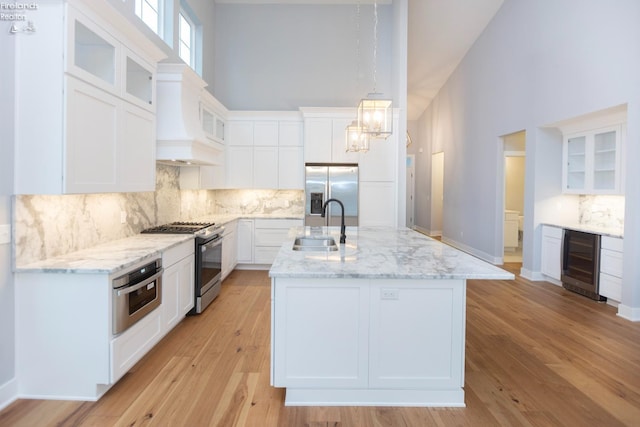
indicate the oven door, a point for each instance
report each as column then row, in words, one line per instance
column 208, row 271
column 135, row 299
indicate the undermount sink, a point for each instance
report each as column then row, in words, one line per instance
column 315, row 243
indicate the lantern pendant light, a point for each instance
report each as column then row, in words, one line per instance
column 375, row 113
column 357, row 141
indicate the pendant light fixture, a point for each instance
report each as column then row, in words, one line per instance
column 375, row 113
column 356, row 140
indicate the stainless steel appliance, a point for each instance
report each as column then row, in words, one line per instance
column 324, row 181
column 135, row 294
column 208, row 258
column 581, row 263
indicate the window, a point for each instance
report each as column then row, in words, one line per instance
column 186, row 39
column 149, row 12
column 189, row 37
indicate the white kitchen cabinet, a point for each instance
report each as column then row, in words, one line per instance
column 324, row 141
column 264, row 151
column 95, row 105
column 245, row 241
column 347, row 339
column 377, row 204
column 269, row 235
column 229, row 248
column 290, row 168
column 611, row 268
column 178, row 295
column 551, row 253
column 593, row 161
column 265, row 167
column 510, row 229
column 239, row 166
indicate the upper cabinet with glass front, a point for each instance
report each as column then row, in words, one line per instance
column 593, row 161
column 86, row 123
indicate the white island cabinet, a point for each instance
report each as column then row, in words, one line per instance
column 381, row 321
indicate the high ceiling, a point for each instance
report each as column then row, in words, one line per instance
column 440, row 34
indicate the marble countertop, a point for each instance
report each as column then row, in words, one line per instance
column 604, row 231
column 382, row 252
column 107, row 258
column 111, row 257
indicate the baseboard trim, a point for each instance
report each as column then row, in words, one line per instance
column 8, row 393
column 472, row 251
column 629, row 313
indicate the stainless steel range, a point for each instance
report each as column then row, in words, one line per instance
column 208, row 258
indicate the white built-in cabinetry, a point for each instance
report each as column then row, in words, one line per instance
column 87, row 124
column 551, row 259
column 229, row 248
column 398, row 340
column 264, row 150
column 245, row 241
column 260, row 239
column 178, row 280
column 611, row 267
column 593, row 149
column 67, row 350
column 324, row 142
column 269, row 235
column 510, row 229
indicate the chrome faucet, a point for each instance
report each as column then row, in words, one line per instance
column 343, row 236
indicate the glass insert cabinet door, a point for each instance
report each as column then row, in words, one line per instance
column 576, row 163
column 592, row 161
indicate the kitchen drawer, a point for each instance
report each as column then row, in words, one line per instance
column 266, row 254
column 277, row 223
column 610, row 287
column 611, row 243
column 176, row 253
column 550, row 231
column 611, row 262
column 271, row 237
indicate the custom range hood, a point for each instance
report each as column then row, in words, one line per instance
column 185, row 112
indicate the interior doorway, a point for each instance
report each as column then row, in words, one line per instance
column 513, row 215
column 411, row 190
column 437, row 193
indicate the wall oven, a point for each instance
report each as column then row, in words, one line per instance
column 581, row 263
column 135, row 294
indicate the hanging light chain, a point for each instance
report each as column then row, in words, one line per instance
column 375, row 44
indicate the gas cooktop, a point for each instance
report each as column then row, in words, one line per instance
column 179, row 227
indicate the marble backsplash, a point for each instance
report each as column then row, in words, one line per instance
column 601, row 211
column 48, row 226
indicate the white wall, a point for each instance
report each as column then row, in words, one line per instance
column 7, row 311
column 284, row 56
column 538, row 62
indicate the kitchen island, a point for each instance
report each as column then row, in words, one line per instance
column 380, row 321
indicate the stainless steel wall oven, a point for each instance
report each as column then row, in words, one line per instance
column 135, row 294
column 581, row 263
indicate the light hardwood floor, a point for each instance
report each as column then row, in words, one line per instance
column 536, row 355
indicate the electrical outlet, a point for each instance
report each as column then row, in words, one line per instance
column 389, row 294
column 123, row 217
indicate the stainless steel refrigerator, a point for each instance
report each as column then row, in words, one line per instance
column 324, row 181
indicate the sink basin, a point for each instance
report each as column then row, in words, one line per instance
column 315, row 243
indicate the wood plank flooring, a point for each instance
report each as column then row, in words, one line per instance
column 536, row 355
